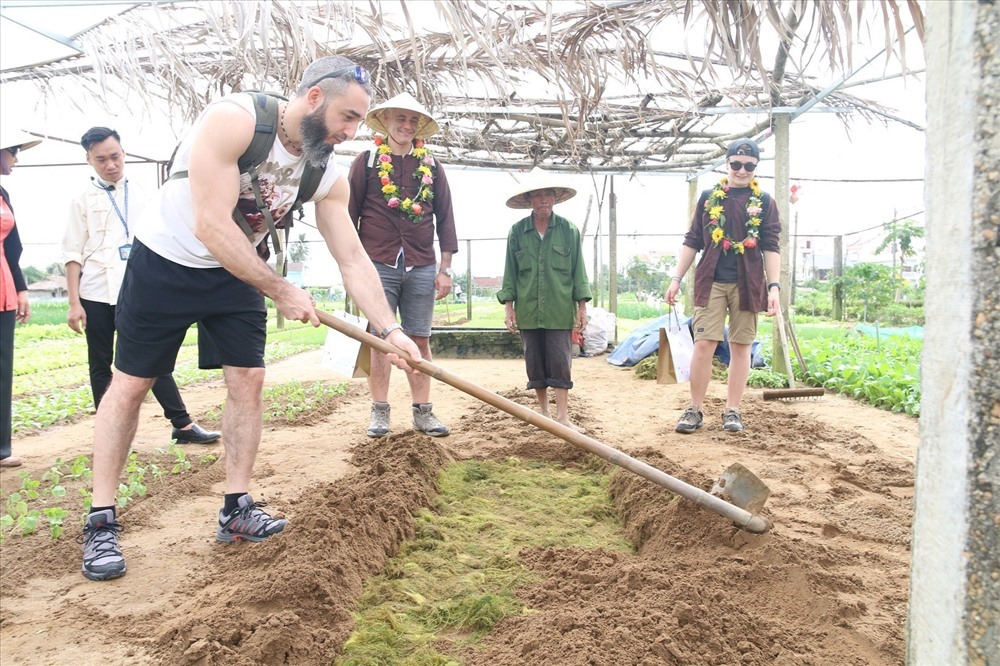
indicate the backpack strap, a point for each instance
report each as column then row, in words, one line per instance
column 266, row 106
column 372, row 166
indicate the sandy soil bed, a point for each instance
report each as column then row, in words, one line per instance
column 827, row 585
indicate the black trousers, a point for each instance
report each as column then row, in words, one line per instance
column 100, row 333
column 7, row 320
column 548, row 357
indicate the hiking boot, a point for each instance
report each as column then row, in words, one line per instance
column 102, row 556
column 425, row 421
column 690, row 421
column 378, row 426
column 248, row 522
column 731, row 421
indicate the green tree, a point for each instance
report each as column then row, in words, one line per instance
column 56, row 269
column 900, row 235
column 870, row 286
column 637, row 274
column 300, row 249
column 32, row 275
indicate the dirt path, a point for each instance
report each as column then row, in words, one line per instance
column 827, row 585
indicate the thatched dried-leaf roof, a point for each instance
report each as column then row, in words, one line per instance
column 609, row 86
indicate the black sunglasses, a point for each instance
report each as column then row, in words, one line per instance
column 13, row 150
column 736, row 166
column 359, row 72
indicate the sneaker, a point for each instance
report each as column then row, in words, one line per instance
column 690, row 421
column 195, row 435
column 248, row 522
column 378, row 426
column 425, row 421
column 731, row 421
column 102, row 556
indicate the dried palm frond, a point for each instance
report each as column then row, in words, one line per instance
column 577, row 85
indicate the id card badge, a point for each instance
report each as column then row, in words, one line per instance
column 124, row 251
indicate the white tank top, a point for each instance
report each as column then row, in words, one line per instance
column 167, row 227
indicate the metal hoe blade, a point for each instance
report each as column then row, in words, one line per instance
column 742, row 487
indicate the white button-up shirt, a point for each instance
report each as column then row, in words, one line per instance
column 96, row 232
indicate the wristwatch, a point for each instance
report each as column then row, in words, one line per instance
column 384, row 333
column 447, row 271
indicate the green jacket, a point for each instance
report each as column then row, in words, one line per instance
column 545, row 277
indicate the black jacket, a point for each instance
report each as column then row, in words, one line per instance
column 12, row 250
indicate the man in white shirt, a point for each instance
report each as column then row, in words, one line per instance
column 191, row 262
column 95, row 249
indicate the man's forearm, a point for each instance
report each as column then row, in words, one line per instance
column 73, row 282
column 445, row 260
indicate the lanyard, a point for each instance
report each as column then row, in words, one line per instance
column 123, row 218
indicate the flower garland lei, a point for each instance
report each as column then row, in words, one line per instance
column 717, row 217
column 413, row 207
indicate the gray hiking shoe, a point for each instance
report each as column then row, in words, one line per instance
column 248, row 522
column 690, row 421
column 731, row 421
column 102, row 556
column 425, row 421
column 378, row 426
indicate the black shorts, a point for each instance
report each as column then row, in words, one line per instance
column 160, row 300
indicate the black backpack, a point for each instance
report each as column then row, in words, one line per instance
column 266, row 107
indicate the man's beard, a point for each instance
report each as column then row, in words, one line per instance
column 315, row 149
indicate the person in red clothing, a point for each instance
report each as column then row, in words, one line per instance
column 399, row 198
column 736, row 228
column 14, row 305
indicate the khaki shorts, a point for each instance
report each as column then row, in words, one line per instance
column 709, row 321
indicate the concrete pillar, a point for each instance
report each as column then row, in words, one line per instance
column 954, row 614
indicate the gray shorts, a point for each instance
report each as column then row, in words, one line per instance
column 410, row 293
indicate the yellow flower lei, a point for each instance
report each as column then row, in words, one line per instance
column 717, row 217
column 414, row 208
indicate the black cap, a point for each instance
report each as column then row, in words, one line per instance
column 744, row 146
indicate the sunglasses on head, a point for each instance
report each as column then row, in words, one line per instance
column 13, row 150
column 359, row 72
column 736, row 166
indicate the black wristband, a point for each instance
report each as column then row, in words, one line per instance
column 773, row 284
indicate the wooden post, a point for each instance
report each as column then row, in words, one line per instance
column 468, row 279
column 838, row 271
column 613, row 257
column 782, row 123
column 689, row 277
column 794, row 258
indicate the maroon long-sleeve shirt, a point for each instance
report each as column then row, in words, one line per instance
column 749, row 266
column 383, row 230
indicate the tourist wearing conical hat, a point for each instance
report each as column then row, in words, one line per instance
column 14, row 305
column 399, row 199
column 545, row 289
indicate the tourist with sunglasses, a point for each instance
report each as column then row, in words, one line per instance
column 736, row 228
column 14, row 306
column 190, row 262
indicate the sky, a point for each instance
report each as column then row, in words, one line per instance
column 652, row 208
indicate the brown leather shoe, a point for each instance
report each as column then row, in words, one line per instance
column 10, row 461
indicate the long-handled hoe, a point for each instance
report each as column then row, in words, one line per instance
column 746, row 493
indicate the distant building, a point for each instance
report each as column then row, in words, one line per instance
column 486, row 286
column 48, row 289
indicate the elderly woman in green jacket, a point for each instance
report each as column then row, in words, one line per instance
column 545, row 289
